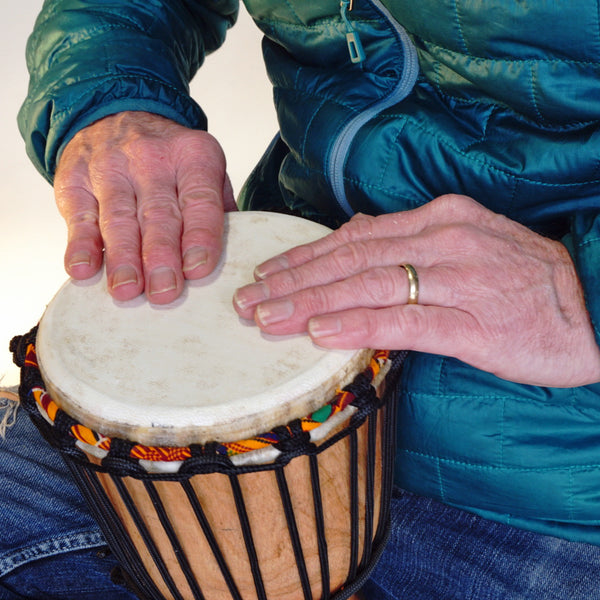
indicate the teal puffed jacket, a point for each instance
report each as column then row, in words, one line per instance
column 382, row 108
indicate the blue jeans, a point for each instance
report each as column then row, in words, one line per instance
column 50, row 549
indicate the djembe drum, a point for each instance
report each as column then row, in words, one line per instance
column 219, row 462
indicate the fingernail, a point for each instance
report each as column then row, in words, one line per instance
column 162, row 280
column 251, row 295
column 273, row 265
column 274, row 312
column 319, row 327
column 194, row 257
column 124, row 275
column 80, row 258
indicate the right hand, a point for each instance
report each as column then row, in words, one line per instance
column 151, row 194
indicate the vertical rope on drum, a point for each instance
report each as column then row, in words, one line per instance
column 146, row 537
column 210, row 538
column 388, row 442
column 108, row 519
column 370, row 489
column 320, row 525
column 247, row 534
column 354, row 524
column 177, row 548
column 288, row 509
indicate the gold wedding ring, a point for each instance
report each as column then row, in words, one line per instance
column 413, row 284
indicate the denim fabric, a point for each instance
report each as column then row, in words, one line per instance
column 75, row 575
column 437, row 552
column 50, row 549
column 41, row 510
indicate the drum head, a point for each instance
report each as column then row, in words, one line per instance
column 191, row 371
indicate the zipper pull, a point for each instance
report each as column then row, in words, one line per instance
column 355, row 47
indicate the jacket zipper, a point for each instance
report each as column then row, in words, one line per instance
column 410, row 70
column 355, row 49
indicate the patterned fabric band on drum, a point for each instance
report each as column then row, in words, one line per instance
column 152, row 506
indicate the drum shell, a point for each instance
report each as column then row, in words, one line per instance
column 270, row 532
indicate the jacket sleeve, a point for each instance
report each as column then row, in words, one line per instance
column 91, row 58
column 584, row 245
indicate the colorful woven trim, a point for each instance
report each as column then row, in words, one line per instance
column 49, row 410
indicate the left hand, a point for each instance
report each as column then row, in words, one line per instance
column 493, row 293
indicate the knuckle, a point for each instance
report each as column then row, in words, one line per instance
column 349, row 257
column 83, row 218
column 455, row 202
column 287, row 282
column 160, row 210
column 122, row 246
column 301, row 254
column 371, row 324
column 316, row 300
column 118, row 216
column 378, row 285
column 360, row 226
column 457, row 238
column 198, row 196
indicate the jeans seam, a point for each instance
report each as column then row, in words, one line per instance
column 50, row 547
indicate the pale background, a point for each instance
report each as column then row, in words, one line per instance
column 233, row 89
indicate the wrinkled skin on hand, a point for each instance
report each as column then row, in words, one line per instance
column 493, row 293
column 147, row 196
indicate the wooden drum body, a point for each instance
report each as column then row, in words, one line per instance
column 211, row 481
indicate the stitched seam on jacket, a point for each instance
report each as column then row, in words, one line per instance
column 483, row 136
column 570, row 495
column 457, row 19
column 307, row 128
column 292, row 10
column 440, row 479
column 390, row 154
column 482, row 467
column 534, row 100
column 509, row 59
column 511, row 203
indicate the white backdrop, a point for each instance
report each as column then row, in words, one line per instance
column 233, row 89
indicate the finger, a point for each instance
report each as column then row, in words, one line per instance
column 160, row 223
column 430, row 329
column 83, row 255
column 343, row 262
column 446, row 210
column 374, row 288
column 120, row 231
column 202, row 183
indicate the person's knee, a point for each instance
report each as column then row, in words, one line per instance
column 82, row 574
